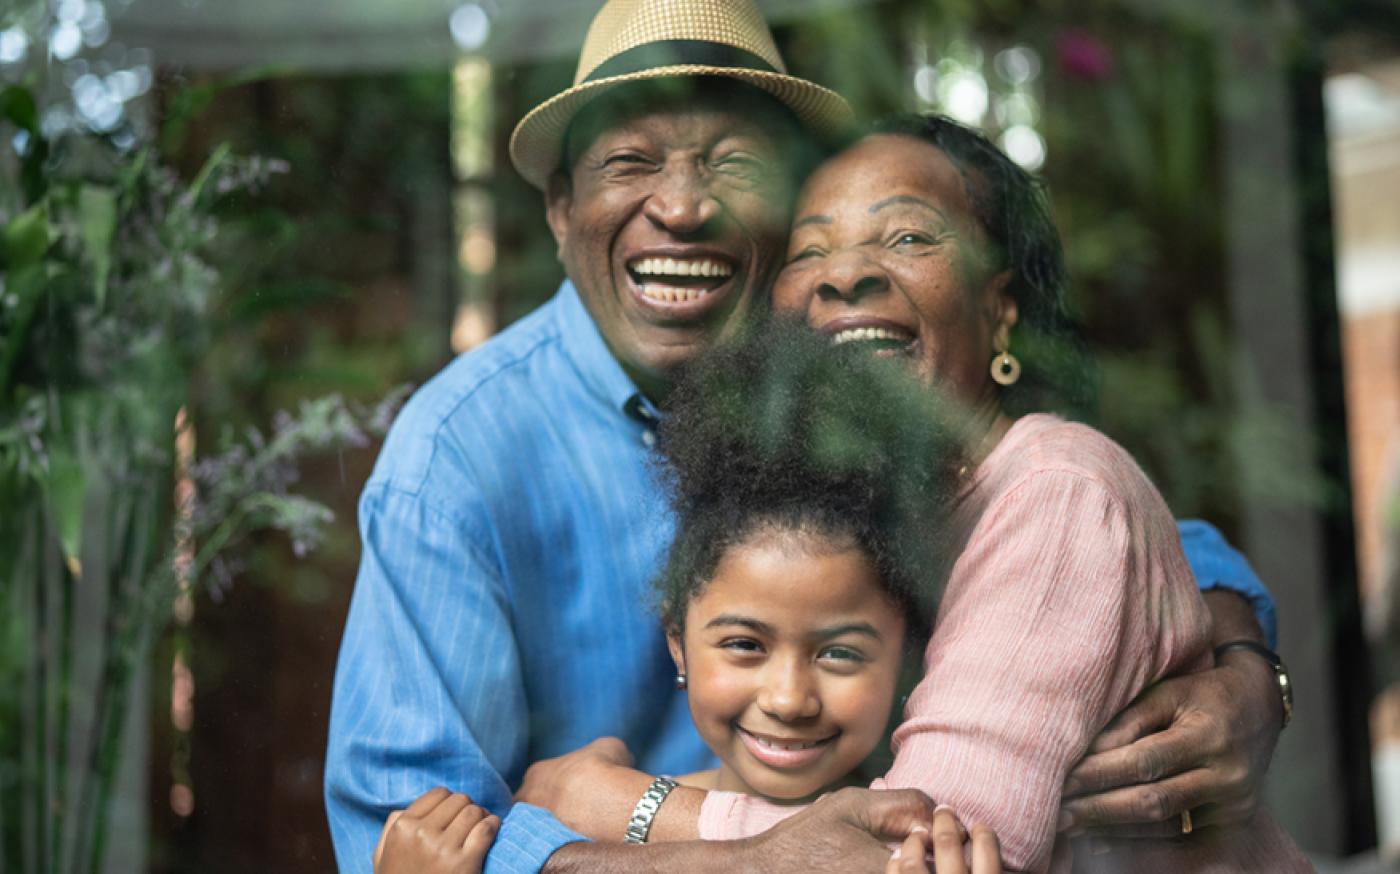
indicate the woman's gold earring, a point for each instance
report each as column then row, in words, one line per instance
column 680, row 680
column 1005, row 368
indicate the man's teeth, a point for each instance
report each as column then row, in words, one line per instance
column 686, row 267
column 854, row 334
column 672, row 293
column 789, row 747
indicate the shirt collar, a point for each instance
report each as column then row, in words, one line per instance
column 600, row 371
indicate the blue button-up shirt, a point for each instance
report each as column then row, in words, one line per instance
column 502, row 612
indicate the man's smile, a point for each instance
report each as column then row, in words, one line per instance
column 676, row 282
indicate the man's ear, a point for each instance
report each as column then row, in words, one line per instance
column 1002, row 310
column 558, row 202
column 673, row 643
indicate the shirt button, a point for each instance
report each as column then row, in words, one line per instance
column 648, row 438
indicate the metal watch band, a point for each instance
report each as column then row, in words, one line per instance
column 639, row 826
column 1285, row 684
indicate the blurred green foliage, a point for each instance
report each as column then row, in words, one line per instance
column 107, row 288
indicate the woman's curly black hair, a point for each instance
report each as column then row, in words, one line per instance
column 1013, row 209
column 778, row 431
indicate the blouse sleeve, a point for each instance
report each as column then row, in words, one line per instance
column 1067, row 601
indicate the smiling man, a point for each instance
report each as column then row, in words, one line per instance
column 512, row 523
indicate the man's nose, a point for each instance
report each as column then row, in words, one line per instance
column 789, row 693
column 850, row 275
column 682, row 202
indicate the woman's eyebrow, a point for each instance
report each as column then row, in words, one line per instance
column 811, row 220
column 909, row 200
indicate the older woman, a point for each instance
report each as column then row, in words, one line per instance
column 1071, row 594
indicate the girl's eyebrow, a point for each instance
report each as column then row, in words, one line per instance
column 862, row 628
column 744, row 621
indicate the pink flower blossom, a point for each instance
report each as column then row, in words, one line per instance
column 1084, row 56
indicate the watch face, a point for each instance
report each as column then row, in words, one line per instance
column 1285, row 687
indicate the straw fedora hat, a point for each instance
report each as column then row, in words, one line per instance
column 636, row 40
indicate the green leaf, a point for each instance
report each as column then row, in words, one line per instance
column 27, row 286
column 97, row 224
column 63, row 491
column 17, row 106
column 207, row 171
column 25, row 239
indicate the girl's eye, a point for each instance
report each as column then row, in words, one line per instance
column 842, row 654
column 742, row 645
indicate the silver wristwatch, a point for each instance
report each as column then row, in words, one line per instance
column 639, row 826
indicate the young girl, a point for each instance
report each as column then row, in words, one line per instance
column 799, row 586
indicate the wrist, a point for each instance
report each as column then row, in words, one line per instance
column 1265, row 670
column 1232, row 618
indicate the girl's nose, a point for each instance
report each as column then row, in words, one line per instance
column 788, row 693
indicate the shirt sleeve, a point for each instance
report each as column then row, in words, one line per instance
column 428, row 688
column 1218, row 565
column 1065, row 603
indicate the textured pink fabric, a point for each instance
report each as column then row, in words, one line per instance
column 1069, row 597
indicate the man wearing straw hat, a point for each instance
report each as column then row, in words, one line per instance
column 511, row 524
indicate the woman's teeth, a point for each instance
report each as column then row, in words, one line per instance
column 862, row 334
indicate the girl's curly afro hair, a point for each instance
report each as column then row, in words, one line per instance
column 778, row 431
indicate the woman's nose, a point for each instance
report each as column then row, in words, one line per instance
column 682, row 202
column 850, row 275
column 788, row 694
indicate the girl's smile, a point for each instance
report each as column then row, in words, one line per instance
column 792, row 653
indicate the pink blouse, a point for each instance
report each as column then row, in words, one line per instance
column 1070, row 596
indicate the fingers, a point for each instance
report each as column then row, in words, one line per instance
column 478, row 844
column 456, row 832
column 613, row 749
column 986, row 851
column 1150, row 804
column 890, row 815
column 1148, row 760
column 384, row 835
column 1152, row 711
column 947, row 836
column 908, row 858
column 426, row 802
column 447, row 809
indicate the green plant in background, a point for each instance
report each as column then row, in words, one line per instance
column 105, row 295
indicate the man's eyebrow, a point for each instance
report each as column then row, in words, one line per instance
column 862, row 628
column 907, row 199
column 811, row 220
column 744, row 621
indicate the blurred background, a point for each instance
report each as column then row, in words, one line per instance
column 231, row 231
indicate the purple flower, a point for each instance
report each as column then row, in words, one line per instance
column 1084, row 56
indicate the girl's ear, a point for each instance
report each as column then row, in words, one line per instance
column 673, row 643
